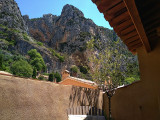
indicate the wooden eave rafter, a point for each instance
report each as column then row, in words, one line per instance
column 124, row 17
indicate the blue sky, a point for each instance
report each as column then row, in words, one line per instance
column 36, row 8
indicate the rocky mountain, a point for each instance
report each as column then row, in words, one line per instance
column 67, row 32
column 53, row 36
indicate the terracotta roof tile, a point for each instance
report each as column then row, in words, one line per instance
column 79, row 82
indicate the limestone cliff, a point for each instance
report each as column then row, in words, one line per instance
column 66, row 34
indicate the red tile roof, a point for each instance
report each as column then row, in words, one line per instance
column 79, row 82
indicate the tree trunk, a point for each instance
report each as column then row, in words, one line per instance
column 110, row 93
column 110, row 116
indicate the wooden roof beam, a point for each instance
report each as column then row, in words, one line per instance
column 123, row 25
column 134, row 43
column 130, row 35
column 124, row 16
column 112, row 12
column 132, row 48
column 131, row 39
column 107, row 4
column 132, row 9
column 127, row 30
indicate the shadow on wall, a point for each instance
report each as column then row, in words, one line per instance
column 85, row 110
column 95, row 118
column 84, row 97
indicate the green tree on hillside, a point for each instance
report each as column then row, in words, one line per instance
column 2, row 67
column 57, row 76
column 36, row 60
column 22, row 68
column 34, row 73
column 51, row 77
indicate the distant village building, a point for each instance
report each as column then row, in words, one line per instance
column 69, row 80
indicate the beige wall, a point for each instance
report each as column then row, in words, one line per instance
column 25, row 99
column 140, row 100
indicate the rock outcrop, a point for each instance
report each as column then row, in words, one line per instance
column 10, row 15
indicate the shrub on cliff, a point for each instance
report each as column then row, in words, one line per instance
column 40, row 43
column 58, row 55
column 83, row 69
column 74, row 69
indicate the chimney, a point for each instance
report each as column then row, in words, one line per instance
column 65, row 74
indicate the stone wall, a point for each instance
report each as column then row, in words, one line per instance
column 26, row 99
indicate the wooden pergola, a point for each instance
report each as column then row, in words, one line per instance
column 132, row 21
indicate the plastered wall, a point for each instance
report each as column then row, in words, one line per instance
column 25, row 99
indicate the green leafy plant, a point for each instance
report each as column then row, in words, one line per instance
column 2, row 66
column 74, row 69
column 14, row 30
column 22, row 68
column 51, row 77
column 57, row 76
column 40, row 43
column 60, row 57
column 41, row 77
column 36, row 60
column 25, row 36
column 34, row 73
column 83, row 69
